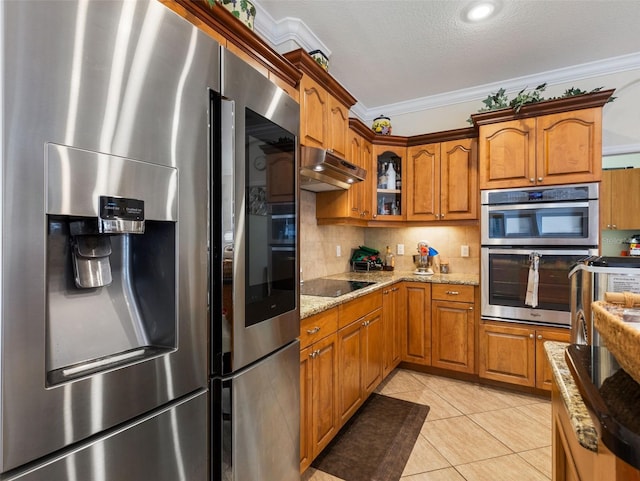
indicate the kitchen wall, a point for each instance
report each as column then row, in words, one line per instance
column 318, row 243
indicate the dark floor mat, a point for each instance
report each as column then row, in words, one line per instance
column 376, row 442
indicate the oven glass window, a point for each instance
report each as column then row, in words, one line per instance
column 269, row 220
column 509, row 274
column 560, row 222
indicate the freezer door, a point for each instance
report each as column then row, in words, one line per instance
column 256, row 416
column 169, row 445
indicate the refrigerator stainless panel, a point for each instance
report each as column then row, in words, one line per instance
column 245, row 90
column 168, row 445
column 261, row 424
column 127, row 79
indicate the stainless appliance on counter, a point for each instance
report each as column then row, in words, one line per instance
column 104, row 242
column 255, row 321
column 590, row 279
column 531, row 238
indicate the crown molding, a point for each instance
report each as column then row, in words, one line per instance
column 551, row 77
column 288, row 29
column 621, row 149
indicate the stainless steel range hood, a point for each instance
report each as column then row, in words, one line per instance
column 321, row 170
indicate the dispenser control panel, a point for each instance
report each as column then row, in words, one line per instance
column 121, row 215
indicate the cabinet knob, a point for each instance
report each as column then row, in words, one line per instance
column 608, row 226
column 437, row 216
column 395, row 289
column 614, row 226
column 532, row 180
column 374, row 215
column 442, row 216
column 530, row 336
column 540, row 336
column 313, row 331
column 539, row 179
column 453, row 293
column 385, row 292
column 471, row 308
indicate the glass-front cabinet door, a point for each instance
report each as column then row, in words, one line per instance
column 389, row 170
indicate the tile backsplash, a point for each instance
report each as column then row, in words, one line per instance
column 318, row 243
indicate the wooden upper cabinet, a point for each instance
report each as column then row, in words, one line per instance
column 338, row 125
column 619, row 200
column 324, row 106
column 314, row 108
column 442, row 181
column 569, row 147
column 547, row 143
column 507, row 153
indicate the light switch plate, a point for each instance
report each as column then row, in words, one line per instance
column 464, row 251
column 400, row 249
column 338, row 251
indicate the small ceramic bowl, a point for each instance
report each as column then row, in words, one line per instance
column 321, row 58
column 382, row 125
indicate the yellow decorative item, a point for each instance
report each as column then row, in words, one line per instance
column 320, row 58
column 382, row 125
column 243, row 10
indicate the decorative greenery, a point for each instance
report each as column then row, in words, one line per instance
column 499, row 99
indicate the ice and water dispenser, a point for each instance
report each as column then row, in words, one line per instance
column 110, row 261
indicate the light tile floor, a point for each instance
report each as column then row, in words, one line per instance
column 472, row 433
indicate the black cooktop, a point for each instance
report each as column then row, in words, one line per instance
column 331, row 287
column 612, row 397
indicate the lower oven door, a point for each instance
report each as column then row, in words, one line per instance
column 505, row 278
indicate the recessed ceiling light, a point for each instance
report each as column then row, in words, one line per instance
column 480, row 11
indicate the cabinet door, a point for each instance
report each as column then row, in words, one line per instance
column 349, row 370
column 417, row 340
column 507, row 153
column 544, row 374
column 306, row 408
column 625, row 201
column 324, row 414
column 569, row 147
column 389, row 198
column 280, row 184
column 459, row 180
column 372, row 351
column 338, row 125
column 392, row 319
column 606, row 194
column 452, row 335
column 367, row 186
column 507, row 353
column 423, row 182
column 313, row 113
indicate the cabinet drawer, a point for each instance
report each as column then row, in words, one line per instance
column 452, row 292
column 352, row 310
column 318, row 326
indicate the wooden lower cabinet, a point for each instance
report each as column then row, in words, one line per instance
column 453, row 327
column 514, row 353
column 393, row 319
column 360, row 359
column 416, row 346
column 318, row 398
column 573, row 462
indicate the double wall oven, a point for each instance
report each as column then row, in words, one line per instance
column 531, row 238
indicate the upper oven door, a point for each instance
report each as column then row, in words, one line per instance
column 505, row 278
column 567, row 223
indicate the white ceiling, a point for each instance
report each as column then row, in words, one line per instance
column 404, row 52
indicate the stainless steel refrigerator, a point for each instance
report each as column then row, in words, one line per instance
column 254, row 279
column 105, row 154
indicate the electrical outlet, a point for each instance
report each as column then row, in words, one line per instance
column 338, row 251
column 400, row 249
column 464, row 251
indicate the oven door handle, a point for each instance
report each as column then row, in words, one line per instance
column 541, row 251
column 554, row 205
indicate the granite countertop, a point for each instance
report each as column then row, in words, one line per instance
column 310, row 305
column 581, row 421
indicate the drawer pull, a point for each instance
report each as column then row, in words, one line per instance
column 453, row 293
column 314, row 354
column 313, row 331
